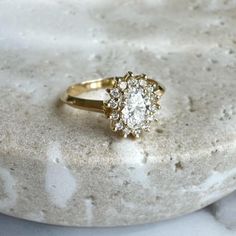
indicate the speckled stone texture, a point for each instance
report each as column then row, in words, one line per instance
column 64, row 166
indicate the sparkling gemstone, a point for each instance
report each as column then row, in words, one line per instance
column 119, row 126
column 113, row 104
column 123, row 85
column 132, row 82
column 147, row 127
column 115, row 93
column 134, row 110
column 150, row 88
column 114, row 116
column 143, row 82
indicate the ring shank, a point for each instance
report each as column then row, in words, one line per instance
column 70, row 97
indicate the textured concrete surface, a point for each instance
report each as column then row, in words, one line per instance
column 195, row 224
column 63, row 166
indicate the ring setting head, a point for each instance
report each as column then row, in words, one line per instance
column 133, row 104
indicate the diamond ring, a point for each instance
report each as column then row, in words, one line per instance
column 132, row 105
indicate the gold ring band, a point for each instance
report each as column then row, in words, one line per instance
column 71, row 98
column 113, row 85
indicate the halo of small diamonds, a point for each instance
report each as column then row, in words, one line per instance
column 133, row 104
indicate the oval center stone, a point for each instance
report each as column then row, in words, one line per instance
column 134, row 111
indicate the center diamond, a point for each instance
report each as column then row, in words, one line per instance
column 134, row 111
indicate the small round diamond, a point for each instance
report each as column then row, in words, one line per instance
column 150, row 88
column 147, row 127
column 132, row 82
column 119, row 126
column 143, row 82
column 113, row 104
column 114, row 116
column 115, row 93
column 123, row 85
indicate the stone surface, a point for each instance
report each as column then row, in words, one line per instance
column 63, row 166
column 195, row 224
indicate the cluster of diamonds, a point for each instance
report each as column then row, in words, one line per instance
column 132, row 104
